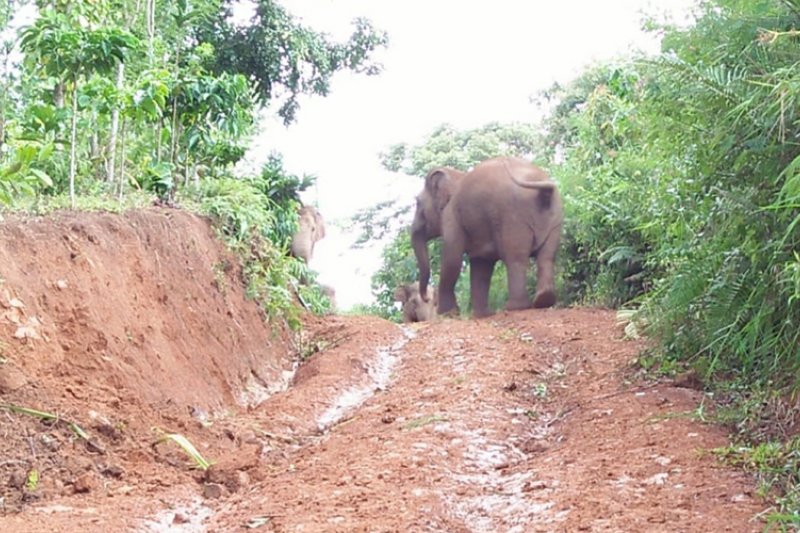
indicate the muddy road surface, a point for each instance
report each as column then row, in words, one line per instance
column 530, row 421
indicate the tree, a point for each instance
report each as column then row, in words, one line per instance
column 283, row 57
column 161, row 116
column 680, row 176
column 65, row 51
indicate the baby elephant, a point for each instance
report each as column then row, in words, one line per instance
column 415, row 309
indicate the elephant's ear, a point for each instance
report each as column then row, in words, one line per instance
column 320, row 225
column 439, row 184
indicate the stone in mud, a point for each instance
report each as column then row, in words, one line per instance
column 86, row 482
column 11, row 378
column 212, row 491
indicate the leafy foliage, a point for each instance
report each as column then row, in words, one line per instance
column 448, row 147
column 776, row 465
column 682, row 197
column 282, row 55
column 678, row 173
column 157, row 95
column 257, row 217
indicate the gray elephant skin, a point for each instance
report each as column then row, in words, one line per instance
column 415, row 308
column 311, row 228
column 505, row 209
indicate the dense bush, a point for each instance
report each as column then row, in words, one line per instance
column 681, row 184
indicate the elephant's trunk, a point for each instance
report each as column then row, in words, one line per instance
column 420, row 245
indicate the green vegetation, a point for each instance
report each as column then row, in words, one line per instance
column 106, row 104
column 424, row 421
column 256, row 216
column 45, row 416
column 682, row 190
column 776, row 466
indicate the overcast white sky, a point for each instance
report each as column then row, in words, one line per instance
column 461, row 62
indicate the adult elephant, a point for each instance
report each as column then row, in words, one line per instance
column 505, row 209
column 311, row 228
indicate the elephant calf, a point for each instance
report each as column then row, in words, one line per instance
column 415, row 309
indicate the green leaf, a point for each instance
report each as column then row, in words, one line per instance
column 44, row 178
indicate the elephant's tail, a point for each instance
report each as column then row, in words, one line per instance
column 547, row 186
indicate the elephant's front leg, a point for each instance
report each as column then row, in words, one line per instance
column 545, row 272
column 480, row 278
column 452, row 254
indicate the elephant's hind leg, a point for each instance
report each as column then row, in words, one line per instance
column 515, row 252
column 480, row 277
column 544, row 298
column 518, row 298
column 545, row 273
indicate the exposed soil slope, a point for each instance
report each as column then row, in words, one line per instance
column 122, row 324
column 529, row 421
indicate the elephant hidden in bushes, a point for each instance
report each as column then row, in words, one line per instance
column 415, row 308
column 311, row 229
column 505, row 209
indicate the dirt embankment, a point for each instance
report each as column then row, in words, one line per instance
column 528, row 421
column 122, row 324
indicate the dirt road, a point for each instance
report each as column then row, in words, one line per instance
column 528, row 421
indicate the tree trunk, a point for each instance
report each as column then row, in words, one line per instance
column 173, row 151
column 112, row 138
column 58, row 95
column 175, row 124
column 159, row 130
column 2, row 118
column 4, row 91
column 186, row 167
column 73, row 143
column 94, row 139
column 122, row 160
column 151, row 27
